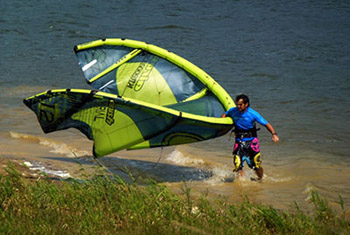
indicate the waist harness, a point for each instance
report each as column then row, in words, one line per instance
column 240, row 134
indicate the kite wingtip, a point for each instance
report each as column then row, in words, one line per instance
column 26, row 102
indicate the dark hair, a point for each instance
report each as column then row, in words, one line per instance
column 244, row 98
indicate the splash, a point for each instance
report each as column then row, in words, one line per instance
column 57, row 147
column 178, row 157
column 219, row 173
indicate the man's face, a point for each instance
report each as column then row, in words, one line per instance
column 242, row 107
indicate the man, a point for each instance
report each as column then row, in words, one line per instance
column 247, row 145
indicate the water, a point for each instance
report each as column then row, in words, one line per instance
column 292, row 58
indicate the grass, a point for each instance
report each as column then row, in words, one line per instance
column 109, row 206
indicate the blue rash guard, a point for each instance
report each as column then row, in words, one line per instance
column 246, row 120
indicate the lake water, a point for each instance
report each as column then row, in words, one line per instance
column 292, row 58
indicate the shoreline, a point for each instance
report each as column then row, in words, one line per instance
column 285, row 183
column 27, row 170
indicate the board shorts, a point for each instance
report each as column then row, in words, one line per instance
column 246, row 151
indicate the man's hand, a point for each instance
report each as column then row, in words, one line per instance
column 275, row 138
column 270, row 128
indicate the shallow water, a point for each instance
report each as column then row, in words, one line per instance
column 291, row 58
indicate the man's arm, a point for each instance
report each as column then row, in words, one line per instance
column 270, row 128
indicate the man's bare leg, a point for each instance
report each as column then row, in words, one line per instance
column 259, row 172
column 240, row 173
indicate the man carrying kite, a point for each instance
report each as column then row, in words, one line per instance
column 246, row 146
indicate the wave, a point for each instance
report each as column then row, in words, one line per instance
column 57, row 147
column 20, row 91
column 167, row 27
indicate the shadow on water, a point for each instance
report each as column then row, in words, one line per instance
column 135, row 170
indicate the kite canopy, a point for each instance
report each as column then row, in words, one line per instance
column 144, row 97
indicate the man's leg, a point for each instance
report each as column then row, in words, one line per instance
column 255, row 158
column 257, row 168
column 259, row 172
column 240, row 173
column 237, row 162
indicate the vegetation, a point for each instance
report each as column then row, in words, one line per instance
column 109, row 206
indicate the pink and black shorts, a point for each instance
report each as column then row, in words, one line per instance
column 248, row 151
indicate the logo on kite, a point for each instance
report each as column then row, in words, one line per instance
column 141, row 74
column 110, row 112
column 46, row 112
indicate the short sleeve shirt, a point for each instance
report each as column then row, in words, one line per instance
column 246, row 120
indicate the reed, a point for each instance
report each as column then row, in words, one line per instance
column 109, row 205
